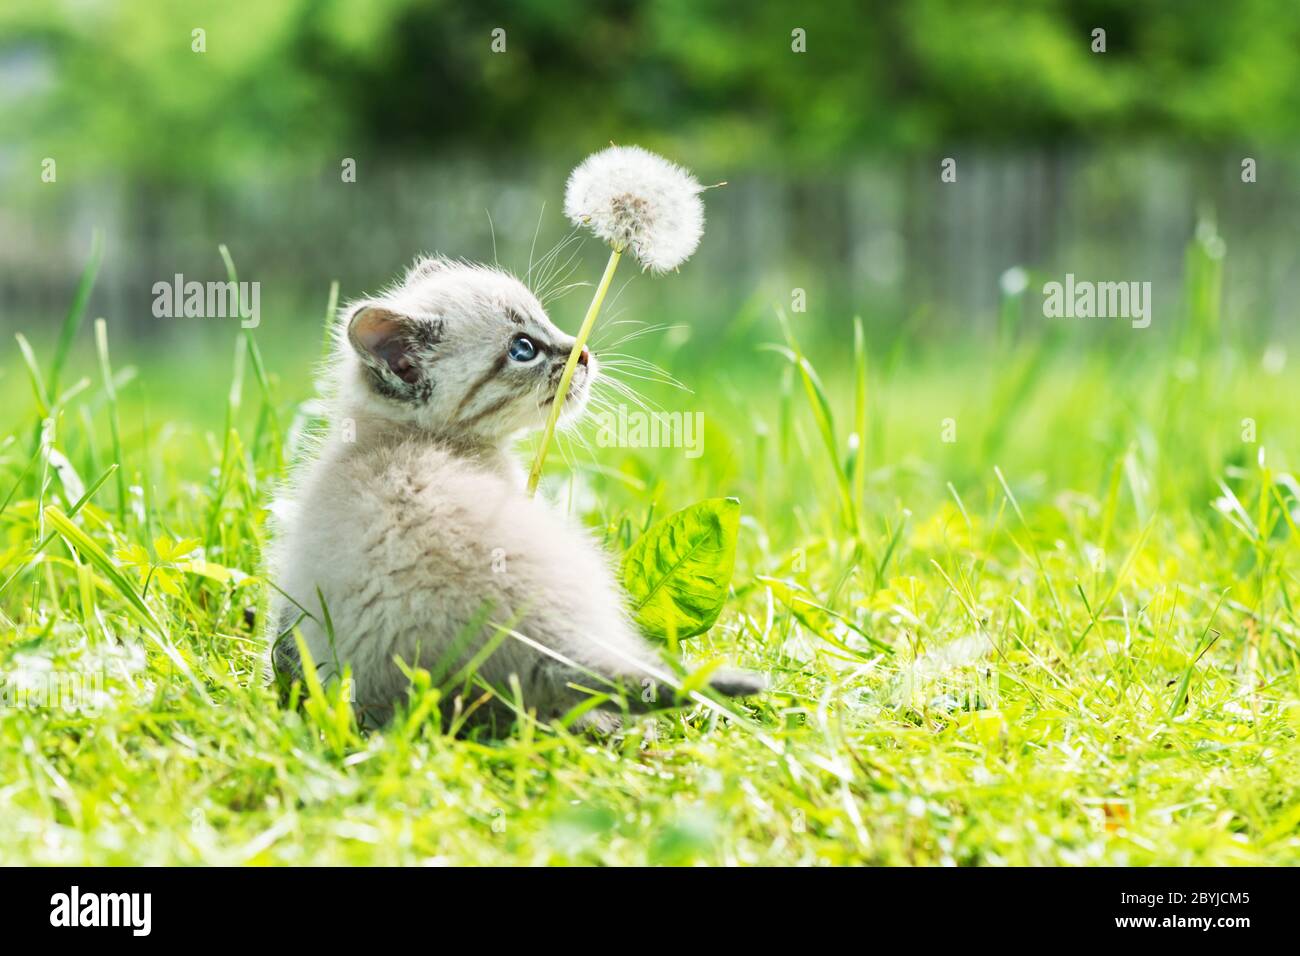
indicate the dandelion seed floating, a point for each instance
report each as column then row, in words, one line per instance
column 637, row 202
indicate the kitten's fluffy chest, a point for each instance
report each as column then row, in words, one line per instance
column 425, row 514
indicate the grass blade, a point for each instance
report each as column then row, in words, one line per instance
column 77, row 310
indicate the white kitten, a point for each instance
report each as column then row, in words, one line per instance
column 412, row 523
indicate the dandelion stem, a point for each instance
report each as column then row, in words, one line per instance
column 557, row 405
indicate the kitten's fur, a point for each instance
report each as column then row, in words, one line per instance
column 413, row 522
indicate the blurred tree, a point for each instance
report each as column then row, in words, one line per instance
column 118, row 85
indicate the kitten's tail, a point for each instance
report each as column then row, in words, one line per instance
column 728, row 682
column 636, row 679
column 650, row 690
column 731, row 682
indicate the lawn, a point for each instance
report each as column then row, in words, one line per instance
column 1043, row 612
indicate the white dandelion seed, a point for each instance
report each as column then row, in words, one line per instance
column 638, row 202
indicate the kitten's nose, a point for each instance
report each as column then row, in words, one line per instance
column 584, row 357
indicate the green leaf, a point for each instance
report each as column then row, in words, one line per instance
column 678, row 572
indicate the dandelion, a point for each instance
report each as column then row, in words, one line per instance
column 636, row 202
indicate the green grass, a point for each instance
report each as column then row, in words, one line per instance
column 1040, row 643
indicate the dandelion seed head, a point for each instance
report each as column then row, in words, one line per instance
column 639, row 202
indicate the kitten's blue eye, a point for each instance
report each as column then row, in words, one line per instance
column 522, row 349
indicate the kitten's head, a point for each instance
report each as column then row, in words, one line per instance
column 461, row 350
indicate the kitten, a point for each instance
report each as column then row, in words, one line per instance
column 413, row 522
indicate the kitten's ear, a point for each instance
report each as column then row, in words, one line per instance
column 394, row 347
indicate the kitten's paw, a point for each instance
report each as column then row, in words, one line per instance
column 738, row 683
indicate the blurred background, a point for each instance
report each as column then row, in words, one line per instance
column 1100, row 164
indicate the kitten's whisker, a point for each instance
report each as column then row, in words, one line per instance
column 615, row 313
column 563, row 447
column 619, row 359
column 540, row 272
column 610, row 322
column 560, row 273
column 657, row 381
column 598, row 401
column 627, row 358
column 554, row 294
column 631, row 336
column 578, row 438
column 533, row 248
column 621, row 290
column 566, row 442
column 606, row 409
column 571, row 262
column 561, row 244
column 630, row 390
column 546, row 266
column 629, row 394
column 654, row 374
